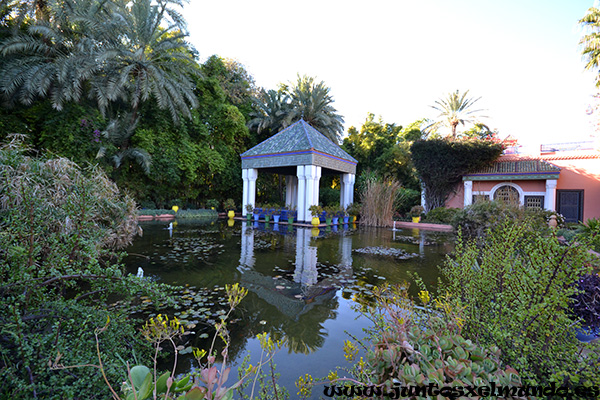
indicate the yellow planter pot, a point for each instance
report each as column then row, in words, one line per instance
column 315, row 221
column 231, row 213
column 416, row 220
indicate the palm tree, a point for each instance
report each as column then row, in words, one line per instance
column 454, row 110
column 312, row 102
column 271, row 107
column 276, row 110
column 152, row 62
column 591, row 41
column 119, row 54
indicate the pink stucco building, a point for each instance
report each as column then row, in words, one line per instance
column 564, row 177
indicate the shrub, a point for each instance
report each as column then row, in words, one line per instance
column 515, row 290
column 329, row 196
column 441, row 215
column 416, row 211
column 406, row 199
column 475, row 219
column 212, row 204
column 229, row 204
column 590, row 232
column 60, row 228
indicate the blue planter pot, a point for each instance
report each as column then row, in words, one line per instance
column 256, row 217
column 346, row 220
column 276, row 218
column 335, row 220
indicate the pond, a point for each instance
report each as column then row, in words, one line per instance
column 302, row 283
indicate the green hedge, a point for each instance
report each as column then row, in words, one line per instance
column 202, row 213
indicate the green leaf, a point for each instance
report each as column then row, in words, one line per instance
column 161, row 383
column 139, row 373
column 146, row 389
column 194, row 394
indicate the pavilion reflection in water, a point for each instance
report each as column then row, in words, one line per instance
column 305, row 297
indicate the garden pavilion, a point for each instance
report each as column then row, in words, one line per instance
column 303, row 155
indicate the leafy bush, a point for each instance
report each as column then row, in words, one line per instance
column 475, row 219
column 515, row 290
column 55, row 339
column 590, row 232
column 229, row 204
column 329, row 196
column 212, row 204
column 60, row 226
column 406, row 199
column 441, row 215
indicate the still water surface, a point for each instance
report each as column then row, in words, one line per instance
column 301, row 286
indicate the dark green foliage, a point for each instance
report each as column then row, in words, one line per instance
column 441, row 215
column 515, row 291
column 183, row 214
column 385, row 149
column 60, row 334
column 441, row 163
column 60, row 226
column 329, row 196
column 590, row 232
column 235, row 81
column 407, row 198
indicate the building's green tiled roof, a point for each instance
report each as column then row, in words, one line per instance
column 296, row 138
column 516, row 169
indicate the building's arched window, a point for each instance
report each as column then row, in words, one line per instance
column 507, row 194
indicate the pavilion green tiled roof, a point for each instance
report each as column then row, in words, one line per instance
column 516, row 169
column 298, row 144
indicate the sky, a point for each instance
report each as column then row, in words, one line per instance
column 395, row 58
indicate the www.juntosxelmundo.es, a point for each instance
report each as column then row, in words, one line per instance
column 453, row 392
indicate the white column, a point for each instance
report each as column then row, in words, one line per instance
column 342, row 191
column 294, row 202
column 468, row 193
column 346, row 250
column 316, row 183
column 423, row 202
column 291, row 190
column 550, row 197
column 305, row 271
column 350, row 192
column 310, row 173
column 301, row 202
column 347, row 190
column 288, row 189
column 252, row 175
column 247, row 250
column 244, row 191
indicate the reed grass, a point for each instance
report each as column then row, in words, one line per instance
column 378, row 201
